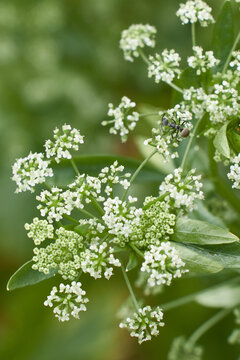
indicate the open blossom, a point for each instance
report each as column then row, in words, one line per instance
column 135, row 38
column 124, row 119
column 68, row 300
column 195, row 10
column 234, row 173
column 162, row 264
column 30, row 171
column 39, row 230
column 96, row 260
column 235, row 63
column 181, row 349
column 202, row 61
column 181, row 192
column 64, row 140
column 144, row 324
column 164, row 67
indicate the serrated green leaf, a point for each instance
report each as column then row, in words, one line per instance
column 93, row 164
column 201, row 233
column 196, row 260
column 25, row 276
column 223, row 296
column 221, row 142
column 132, row 261
column 223, row 34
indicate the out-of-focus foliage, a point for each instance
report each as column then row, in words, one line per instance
column 60, row 62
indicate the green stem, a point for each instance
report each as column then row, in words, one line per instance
column 137, row 172
column 207, row 326
column 193, row 34
column 175, row 87
column 220, row 186
column 96, row 205
column 192, row 136
column 134, row 300
column 191, row 297
column 156, row 113
column 85, row 212
column 70, row 218
column 144, row 57
column 75, row 166
column 136, row 250
column 230, row 54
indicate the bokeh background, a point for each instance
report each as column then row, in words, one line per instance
column 60, row 62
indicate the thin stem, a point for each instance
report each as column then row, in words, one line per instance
column 230, row 54
column 191, row 297
column 85, row 212
column 144, row 57
column 175, row 87
column 156, row 113
column 137, row 172
column 193, row 34
column 75, row 166
column 70, row 218
column 192, row 136
column 136, row 250
column 96, row 205
column 134, row 300
column 208, row 325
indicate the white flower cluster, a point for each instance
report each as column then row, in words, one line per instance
column 123, row 121
column 111, row 176
column 120, row 219
column 97, row 259
column 63, row 254
column 195, row 10
column 65, row 140
column 162, row 144
column 144, row 324
column 39, row 230
column 135, row 38
column 69, row 300
column 181, row 349
column 194, row 99
column 234, row 173
column 202, row 61
column 164, row 67
column 181, row 192
column 30, row 171
column 162, row 264
column 235, row 63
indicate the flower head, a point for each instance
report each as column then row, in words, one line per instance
column 135, row 38
column 68, row 300
column 164, row 67
column 64, row 140
column 162, row 264
column 123, row 118
column 195, row 10
column 39, row 230
column 202, row 61
column 30, row 171
column 181, row 349
column 144, row 324
column 234, row 173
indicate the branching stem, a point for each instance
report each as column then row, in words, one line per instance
column 134, row 300
column 230, row 54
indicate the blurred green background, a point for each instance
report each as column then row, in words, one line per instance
column 60, row 62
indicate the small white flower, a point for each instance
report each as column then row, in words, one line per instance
column 144, row 324
column 202, row 61
column 195, row 10
column 123, row 118
column 162, row 264
column 65, row 140
column 68, row 300
column 234, row 173
column 39, row 230
column 135, row 38
column 30, row 171
column 164, row 67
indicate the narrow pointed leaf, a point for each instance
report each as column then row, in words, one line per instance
column 221, row 142
column 25, row 276
column 132, row 261
column 223, row 296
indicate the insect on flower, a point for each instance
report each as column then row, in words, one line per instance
column 176, row 128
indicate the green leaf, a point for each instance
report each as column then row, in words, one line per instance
column 93, row 164
column 132, row 261
column 223, row 34
column 202, row 213
column 82, row 229
column 25, row 276
column 221, row 142
column 196, row 260
column 222, row 296
column 227, row 254
column 201, row 233
column 234, row 140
